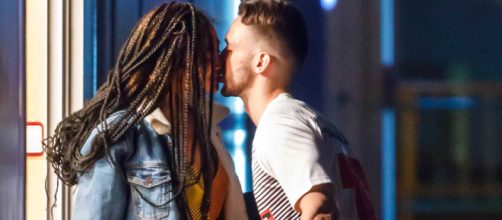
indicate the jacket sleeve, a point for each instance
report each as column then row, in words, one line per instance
column 102, row 191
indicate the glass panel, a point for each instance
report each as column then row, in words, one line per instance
column 449, row 153
column 449, row 109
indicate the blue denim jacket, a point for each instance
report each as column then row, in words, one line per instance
column 111, row 190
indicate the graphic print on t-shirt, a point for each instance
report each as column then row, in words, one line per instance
column 270, row 197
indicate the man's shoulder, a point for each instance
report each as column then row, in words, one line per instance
column 287, row 118
column 287, row 113
column 288, row 107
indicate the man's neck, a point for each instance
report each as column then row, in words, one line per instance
column 257, row 100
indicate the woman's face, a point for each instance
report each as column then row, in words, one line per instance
column 213, row 59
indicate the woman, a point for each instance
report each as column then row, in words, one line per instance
column 144, row 147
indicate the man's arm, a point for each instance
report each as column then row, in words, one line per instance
column 318, row 203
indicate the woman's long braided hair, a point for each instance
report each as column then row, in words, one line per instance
column 160, row 62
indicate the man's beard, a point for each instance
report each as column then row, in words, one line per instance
column 225, row 91
column 240, row 85
column 237, row 89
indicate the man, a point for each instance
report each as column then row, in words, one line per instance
column 296, row 151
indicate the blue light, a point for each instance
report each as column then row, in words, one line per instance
column 238, row 106
column 95, row 51
column 388, row 165
column 328, row 5
column 240, row 168
column 387, row 32
column 235, row 8
column 388, row 115
column 239, row 137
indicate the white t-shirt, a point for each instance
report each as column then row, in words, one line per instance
column 290, row 156
column 296, row 148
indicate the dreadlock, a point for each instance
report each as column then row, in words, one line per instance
column 158, row 63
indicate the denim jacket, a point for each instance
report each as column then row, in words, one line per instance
column 140, row 175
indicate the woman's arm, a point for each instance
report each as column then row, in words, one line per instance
column 102, row 191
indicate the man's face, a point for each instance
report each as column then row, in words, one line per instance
column 238, row 56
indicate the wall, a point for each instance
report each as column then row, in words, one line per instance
column 36, row 102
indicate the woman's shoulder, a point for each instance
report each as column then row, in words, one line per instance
column 111, row 120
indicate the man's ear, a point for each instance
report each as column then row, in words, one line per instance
column 263, row 60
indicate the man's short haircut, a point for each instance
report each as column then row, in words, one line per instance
column 280, row 20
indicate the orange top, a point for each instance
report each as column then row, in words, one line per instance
column 219, row 190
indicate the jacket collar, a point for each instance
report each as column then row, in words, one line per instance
column 162, row 126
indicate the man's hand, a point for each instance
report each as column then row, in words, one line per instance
column 323, row 217
column 318, row 203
